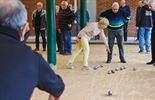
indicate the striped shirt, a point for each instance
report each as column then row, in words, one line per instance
column 116, row 20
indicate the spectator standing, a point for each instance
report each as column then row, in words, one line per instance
column 125, row 8
column 39, row 24
column 146, row 24
column 58, row 34
column 152, row 6
column 66, row 18
column 78, row 20
column 138, row 10
column 21, row 69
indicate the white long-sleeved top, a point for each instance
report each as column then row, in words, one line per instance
column 91, row 30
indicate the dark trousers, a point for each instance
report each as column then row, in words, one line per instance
column 111, row 40
column 66, row 42
column 43, row 35
column 125, row 29
column 58, row 39
column 153, row 44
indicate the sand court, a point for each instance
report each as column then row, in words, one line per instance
column 136, row 82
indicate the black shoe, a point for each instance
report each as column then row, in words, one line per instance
column 36, row 49
column 108, row 61
column 150, row 63
column 44, row 49
column 62, row 53
column 57, row 51
column 123, row 61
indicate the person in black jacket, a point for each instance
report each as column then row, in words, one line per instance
column 21, row 69
column 39, row 24
column 152, row 6
column 66, row 18
column 145, row 24
column 138, row 10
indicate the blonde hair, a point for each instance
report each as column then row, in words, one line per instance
column 103, row 21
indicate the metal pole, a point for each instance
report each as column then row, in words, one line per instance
column 83, row 9
column 51, row 37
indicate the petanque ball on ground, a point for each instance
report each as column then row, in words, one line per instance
column 109, row 93
column 112, row 71
column 134, row 69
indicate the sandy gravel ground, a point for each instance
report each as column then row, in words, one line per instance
column 94, row 85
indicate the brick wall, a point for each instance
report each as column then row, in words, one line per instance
column 101, row 6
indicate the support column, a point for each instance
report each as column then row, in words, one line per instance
column 51, row 35
column 83, row 15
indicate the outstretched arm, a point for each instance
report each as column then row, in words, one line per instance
column 103, row 37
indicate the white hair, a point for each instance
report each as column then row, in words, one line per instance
column 115, row 4
column 12, row 14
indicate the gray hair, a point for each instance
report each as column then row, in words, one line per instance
column 12, row 14
column 115, row 4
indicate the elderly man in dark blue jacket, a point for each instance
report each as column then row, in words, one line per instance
column 116, row 18
column 21, row 69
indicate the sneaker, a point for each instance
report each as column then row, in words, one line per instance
column 108, row 61
column 70, row 65
column 148, row 52
column 87, row 68
column 123, row 61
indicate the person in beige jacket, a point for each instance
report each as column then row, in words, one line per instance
column 92, row 29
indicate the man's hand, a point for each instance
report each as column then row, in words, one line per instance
column 53, row 98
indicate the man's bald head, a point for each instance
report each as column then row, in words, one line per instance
column 115, row 7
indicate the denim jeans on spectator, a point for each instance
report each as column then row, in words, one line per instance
column 145, row 38
column 66, row 41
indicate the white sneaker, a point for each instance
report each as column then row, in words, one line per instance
column 87, row 68
column 70, row 65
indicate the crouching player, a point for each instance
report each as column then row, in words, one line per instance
column 92, row 29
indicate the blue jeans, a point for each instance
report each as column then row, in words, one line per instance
column 145, row 37
column 66, row 41
column 111, row 41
